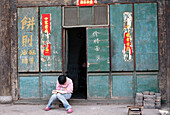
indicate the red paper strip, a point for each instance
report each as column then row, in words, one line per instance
column 46, row 23
column 47, row 51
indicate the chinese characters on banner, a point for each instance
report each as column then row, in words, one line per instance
column 50, row 39
column 46, row 27
column 96, row 41
column 46, row 47
column 28, row 44
column 98, row 49
column 127, row 31
column 28, row 23
column 27, row 52
column 46, row 23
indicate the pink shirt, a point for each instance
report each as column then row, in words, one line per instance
column 68, row 87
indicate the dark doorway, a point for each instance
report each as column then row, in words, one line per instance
column 76, row 65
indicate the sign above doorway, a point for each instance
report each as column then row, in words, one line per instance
column 86, row 3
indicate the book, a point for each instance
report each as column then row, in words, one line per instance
column 58, row 91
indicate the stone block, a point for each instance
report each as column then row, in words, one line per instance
column 158, row 97
column 149, row 101
column 157, row 106
column 152, row 93
column 146, row 93
column 149, row 96
column 157, row 103
column 139, row 96
column 5, row 99
column 139, row 104
column 138, row 101
column 158, row 100
column 149, row 106
column 158, row 94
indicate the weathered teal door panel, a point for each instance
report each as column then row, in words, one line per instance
column 50, row 37
column 122, row 86
column 28, row 43
column 29, row 87
column 121, row 28
column 98, row 86
column 48, row 84
column 147, row 83
column 98, row 49
column 146, row 36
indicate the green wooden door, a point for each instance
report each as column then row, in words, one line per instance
column 31, row 84
column 28, row 43
column 144, row 26
column 98, row 49
column 146, row 36
column 50, row 39
column 121, row 25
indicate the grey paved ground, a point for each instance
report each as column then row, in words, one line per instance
column 9, row 109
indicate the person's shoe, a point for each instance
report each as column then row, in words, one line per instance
column 69, row 110
column 47, row 108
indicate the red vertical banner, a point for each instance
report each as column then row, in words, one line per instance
column 127, row 42
column 128, row 39
column 46, row 28
column 46, row 23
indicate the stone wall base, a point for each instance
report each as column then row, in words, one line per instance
column 5, row 99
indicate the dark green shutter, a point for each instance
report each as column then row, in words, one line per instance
column 98, row 49
column 51, row 62
column 146, row 36
column 117, row 37
column 28, row 50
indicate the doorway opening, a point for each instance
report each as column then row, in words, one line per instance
column 76, row 61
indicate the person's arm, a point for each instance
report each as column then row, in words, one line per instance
column 58, row 86
column 69, row 89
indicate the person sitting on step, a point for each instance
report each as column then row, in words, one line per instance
column 63, row 92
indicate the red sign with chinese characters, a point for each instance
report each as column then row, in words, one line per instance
column 127, row 43
column 46, row 23
column 86, row 2
column 47, row 51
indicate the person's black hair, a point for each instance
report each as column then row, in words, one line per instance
column 62, row 79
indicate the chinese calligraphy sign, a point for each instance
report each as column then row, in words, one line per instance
column 127, row 31
column 46, row 23
column 28, row 40
column 98, row 49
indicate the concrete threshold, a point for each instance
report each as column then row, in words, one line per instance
column 77, row 101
